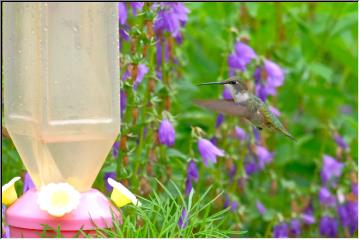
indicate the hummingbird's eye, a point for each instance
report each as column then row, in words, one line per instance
column 233, row 82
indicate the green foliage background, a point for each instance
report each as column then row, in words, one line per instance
column 317, row 45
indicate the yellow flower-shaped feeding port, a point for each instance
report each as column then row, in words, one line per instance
column 8, row 192
column 120, row 195
column 58, row 199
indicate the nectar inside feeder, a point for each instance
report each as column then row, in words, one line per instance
column 62, row 111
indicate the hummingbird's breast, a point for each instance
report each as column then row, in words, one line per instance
column 238, row 96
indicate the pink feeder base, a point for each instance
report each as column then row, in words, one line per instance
column 26, row 219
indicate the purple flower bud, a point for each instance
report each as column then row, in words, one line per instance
column 166, row 133
column 106, row 176
column 142, row 70
column 280, row 231
column 250, row 167
column 340, row 142
column 240, row 134
column 115, row 149
column 159, row 52
column 241, row 57
column 122, row 101
column 234, row 206
column 256, row 133
column 308, row 215
column 263, row 155
column 227, row 201
column 188, row 186
column 227, row 94
column 182, row 223
column 232, row 172
column 328, row 226
column 260, row 207
column 28, row 183
column 122, row 12
column 192, row 171
column 219, row 120
column 295, row 227
column 331, row 169
column 209, row 151
column 326, row 198
column 136, row 6
column 124, row 33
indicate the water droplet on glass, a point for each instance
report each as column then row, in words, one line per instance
column 45, row 29
column 75, row 29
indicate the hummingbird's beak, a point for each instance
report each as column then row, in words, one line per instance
column 211, row 83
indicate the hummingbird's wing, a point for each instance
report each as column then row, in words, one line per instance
column 224, row 106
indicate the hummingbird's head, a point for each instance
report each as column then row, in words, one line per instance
column 235, row 82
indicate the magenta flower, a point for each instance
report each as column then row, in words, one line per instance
column 281, row 231
column 264, row 156
column 326, row 198
column 166, row 133
column 328, row 227
column 142, row 70
column 122, row 101
column 227, row 94
column 28, row 183
column 260, row 207
column 182, row 223
column 241, row 57
column 192, row 175
column 171, row 17
column 250, row 167
column 232, row 204
column 5, row 233
column 274, row 79
column 331, row 169
column 219, row 120
column 115, row 149
column 348, row 214
column 192, row 171
column 122, row 12
column 308, row 215
column 136, row 6
column 256, row 133
column 295, row 227
column 106, row 176
column 341, row 142
column 240, row 134
column 209, row 151
column 232, row 172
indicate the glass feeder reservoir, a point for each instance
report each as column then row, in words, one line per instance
column 61, row 74
column 61, row 105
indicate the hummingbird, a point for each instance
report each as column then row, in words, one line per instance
column 246, row 105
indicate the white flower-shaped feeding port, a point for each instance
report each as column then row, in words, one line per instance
column 8, row 192
column 120, row 195
column 58, row 199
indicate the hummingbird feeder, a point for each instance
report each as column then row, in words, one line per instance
column 62, row 111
